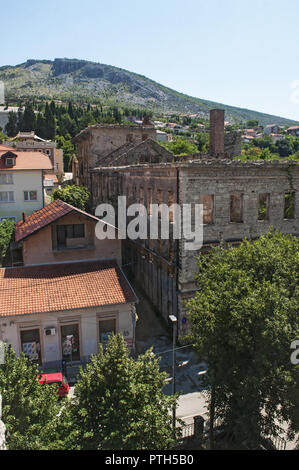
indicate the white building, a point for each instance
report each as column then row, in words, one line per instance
column 21, row 182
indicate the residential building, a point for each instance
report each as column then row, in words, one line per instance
column 163, row 136
column 63, row 311
column 21, row 182
column 60, row 232
column 4, row 114
column 50, row 184
column 70, row 295
column 30, row 142
column 294, row 130
column 272, row 129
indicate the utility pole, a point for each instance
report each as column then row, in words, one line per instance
column 173, row 319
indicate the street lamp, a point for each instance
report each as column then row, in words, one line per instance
column 173, row 319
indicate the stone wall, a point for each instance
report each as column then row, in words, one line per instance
column 163, row 268
column 97, row 142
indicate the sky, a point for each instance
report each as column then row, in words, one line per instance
column 236, row 52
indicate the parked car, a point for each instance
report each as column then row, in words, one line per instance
column 58, row 379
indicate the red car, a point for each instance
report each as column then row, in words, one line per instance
column 58, row 379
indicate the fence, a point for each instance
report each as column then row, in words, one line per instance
column 198, row 431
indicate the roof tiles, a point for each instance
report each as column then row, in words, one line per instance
column 60, row 287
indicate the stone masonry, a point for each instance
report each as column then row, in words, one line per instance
column 232, row 193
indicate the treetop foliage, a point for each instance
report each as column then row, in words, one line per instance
column 244, row 318
column 77, row 196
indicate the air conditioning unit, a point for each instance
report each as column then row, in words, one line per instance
column 50, row 331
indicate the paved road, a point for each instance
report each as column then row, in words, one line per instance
column 190, row 405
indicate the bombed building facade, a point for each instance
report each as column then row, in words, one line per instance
column 240, row 199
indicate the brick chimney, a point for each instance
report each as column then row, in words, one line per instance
column 217, row 132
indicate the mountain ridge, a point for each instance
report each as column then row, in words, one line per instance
column 80, row 80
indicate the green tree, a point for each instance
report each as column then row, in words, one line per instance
column 66, row 145
column 203, row 141
column 29, row 120
column 180, row 146
column 119, row 402
column 7, row 230
column 244, row 318
column 252, row 123
column 77, row 196
column 3, row 137
column 50, row 123
column 31, row 411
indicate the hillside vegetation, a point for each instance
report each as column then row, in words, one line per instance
column 88, row 82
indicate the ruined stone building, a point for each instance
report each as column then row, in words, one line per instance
column 239, row 199
column 96, row 142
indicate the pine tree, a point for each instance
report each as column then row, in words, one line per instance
column 50, row 123
column 29, row 120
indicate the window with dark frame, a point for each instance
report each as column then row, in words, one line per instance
column 64, row 232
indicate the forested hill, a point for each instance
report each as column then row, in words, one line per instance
column 83, row 81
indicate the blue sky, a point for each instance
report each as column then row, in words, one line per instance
column 237, row 52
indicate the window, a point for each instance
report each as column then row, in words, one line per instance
column 69, row 231
column 7, row 196
column 30, row 195
column 6, row 178
column 289, row 205
column 10, row 162
column 106, row 329
column 236, row 208
column 30, row 344
column 207, row 200
column 263, row 208
column 70, row 342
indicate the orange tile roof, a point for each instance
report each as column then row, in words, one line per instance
column 51, row 177
column 5, row 148
column 26, row 161
column 60, row 287
column 45, row 216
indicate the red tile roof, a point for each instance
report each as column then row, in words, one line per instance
column 60, row 287
column 26, row 161
column 5, row 148
column 51, row 177
column 45, row 216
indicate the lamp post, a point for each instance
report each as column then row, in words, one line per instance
column 173, row 319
